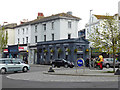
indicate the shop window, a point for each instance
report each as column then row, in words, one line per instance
column 66, row 57
column 79, row 55
column 58, row 55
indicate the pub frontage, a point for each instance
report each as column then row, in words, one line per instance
column 69, row 49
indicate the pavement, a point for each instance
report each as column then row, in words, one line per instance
column 67, row 75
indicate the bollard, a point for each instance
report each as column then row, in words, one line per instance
column 51, row 70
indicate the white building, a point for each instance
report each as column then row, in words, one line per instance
column 54, row 27
column 95, row 22
column 9, row 29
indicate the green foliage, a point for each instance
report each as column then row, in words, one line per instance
column 51, row 50
column 3, row 38
column 105, row 35
column 68, row 50
column 45, row 51
column 59, row 50
column 75, row 50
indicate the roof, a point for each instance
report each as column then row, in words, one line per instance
column 10, row 26
column 103, row 16
column 52, row 17
column 72, row 40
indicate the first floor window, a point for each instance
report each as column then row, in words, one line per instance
column 18, row 40
column 26, row 39
column 44, row 37
column 35, row 39
column 52, row 37
column 69, row 36
column 23, row 40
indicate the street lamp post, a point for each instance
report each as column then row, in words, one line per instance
column 89, row 37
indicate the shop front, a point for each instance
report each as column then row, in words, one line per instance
column 69, row 49
column 15, row 51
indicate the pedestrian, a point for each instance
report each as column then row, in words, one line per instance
column 87, row 62
column 94, row 60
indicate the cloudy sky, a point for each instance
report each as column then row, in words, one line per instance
column 12, row 11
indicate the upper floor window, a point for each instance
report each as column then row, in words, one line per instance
column 44, row 26
column 52, row 25
column 18, row 31
column 69, row 24
column 35, row 39
column 23, row 30
column 69, row 36
column 35, row 28
column 26, row 30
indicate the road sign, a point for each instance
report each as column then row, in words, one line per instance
column 80, row 62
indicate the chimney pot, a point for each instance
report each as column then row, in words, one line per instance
column 40, row 14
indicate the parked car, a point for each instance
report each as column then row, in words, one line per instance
column 108, row 62
column 62, row 62
column 12, row 65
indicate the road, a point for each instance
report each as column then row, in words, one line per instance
column 12, row 83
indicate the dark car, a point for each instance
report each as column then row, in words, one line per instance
column 62, row 62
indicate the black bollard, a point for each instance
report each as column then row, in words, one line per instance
column 51, row 69
column 117, row 72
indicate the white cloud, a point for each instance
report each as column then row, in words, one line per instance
column 16, row 10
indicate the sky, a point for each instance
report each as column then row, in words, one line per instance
column 13, row 11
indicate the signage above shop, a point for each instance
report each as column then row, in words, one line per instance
column 13, row 49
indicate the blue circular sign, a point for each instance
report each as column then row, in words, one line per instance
column 80, row 62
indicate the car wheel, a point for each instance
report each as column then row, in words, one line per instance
column 3, row 71
column 71, row 67
column 15, row 71
column 107, row 66
column 119, row 66
column 25, row 69
column 66, row 66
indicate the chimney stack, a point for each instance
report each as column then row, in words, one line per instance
column 69, row 12
column 40, row 15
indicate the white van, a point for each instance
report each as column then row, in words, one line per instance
column 12, row 65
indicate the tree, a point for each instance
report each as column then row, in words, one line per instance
column 105, row 36
column 3, row 38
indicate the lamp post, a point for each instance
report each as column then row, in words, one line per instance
column 90, row 43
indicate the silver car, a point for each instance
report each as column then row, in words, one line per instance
column 12, row 65
column 108, row 62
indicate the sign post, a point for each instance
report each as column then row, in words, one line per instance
column 80, row 63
